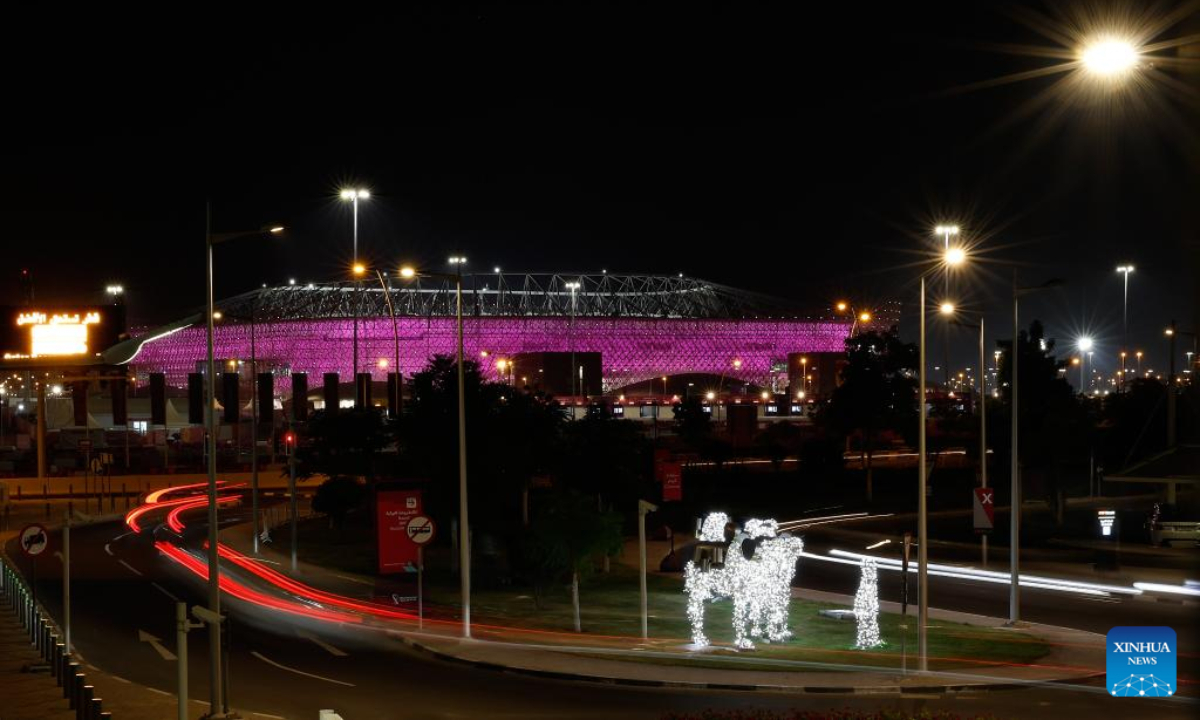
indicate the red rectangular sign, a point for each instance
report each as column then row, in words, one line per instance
column 671, row 476
column 397, row 552
column 985, row 509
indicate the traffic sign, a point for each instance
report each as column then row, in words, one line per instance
column 985, row 510
column 34, row 540
column 420, row 529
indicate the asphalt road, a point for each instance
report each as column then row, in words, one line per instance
column 120, row 587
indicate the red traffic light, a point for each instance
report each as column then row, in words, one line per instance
column 289, row 438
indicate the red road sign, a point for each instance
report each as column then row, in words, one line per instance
column 34, row 540
column 985, row 509
column 671, row 475
column 397, row 551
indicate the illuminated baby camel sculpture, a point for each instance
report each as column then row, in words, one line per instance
column 755, row 569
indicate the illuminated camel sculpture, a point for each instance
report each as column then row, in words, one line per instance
column 759, row 585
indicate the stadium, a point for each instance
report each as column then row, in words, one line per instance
column 640, row 328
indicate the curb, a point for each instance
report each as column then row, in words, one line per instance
column 726, row 687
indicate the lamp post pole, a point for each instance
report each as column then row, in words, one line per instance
column 394, row 403
column 922, row 535
column 253, row 430
column 464, row 541
column 216, row 691
column 214, row 586
column 1014, row 542
column 983, row 459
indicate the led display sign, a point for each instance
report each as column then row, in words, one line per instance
column 46, row 333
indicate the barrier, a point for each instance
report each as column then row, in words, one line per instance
column 46, row 637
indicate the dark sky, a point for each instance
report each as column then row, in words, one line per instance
column 806, row 155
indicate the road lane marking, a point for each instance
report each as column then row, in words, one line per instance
column 163, row 590
column 321, row 643
column 360, row 581
column 131, row 568
column 269, row 661
column 269, row 715
column 160, row 692
column 155, row 643
column 108, row 549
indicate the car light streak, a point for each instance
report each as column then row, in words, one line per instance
column 176, row 524
column 1033, row 581
column 241, row 592
column 1170, row 589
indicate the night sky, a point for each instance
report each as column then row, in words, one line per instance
column 805, row 155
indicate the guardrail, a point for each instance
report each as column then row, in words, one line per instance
column 47, row 637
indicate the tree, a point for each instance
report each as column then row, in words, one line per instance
column 1055, row 425
column 692, row 424
column 567, row 536
column 346, row 442
column 512, row 436
column 878, row 390
column 337, row 497
column 604, row 456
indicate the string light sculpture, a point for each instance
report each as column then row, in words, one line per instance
column 866, row 607
column 756, row 573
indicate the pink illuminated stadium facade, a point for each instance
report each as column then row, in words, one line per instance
column 644, row 327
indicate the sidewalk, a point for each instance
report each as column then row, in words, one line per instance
column 36, row 695
column 1075, row 655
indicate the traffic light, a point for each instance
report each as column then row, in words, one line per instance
column 289, row 442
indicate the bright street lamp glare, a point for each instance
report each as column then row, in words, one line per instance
column 865, row 317
column 359, row 269
column 710, row 395
column 276, row 230
column 955, row 256
column 407, row 272
column 841, row 307
column 363, row 194
column 1110, row 57
column 347, row 194
column 1085, row 343
column 947, row 308
column 946, row 230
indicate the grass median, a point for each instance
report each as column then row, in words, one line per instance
column 610, row 617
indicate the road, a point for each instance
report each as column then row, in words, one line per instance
column 122, row 586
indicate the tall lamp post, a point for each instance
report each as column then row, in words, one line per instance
column 572, row 286
column 952, row 257
column 464, row 541
column 1014, row 551
column 946, row 231
column 214, row 570
column 948, row 309
column 353, row 195
column 1085, row 345
column 1124, row 270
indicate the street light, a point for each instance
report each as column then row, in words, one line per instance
column 1109, row 57
column 572, row 286
column 214, row 568
column 922, row 479
column 464, row 532
column 1014, row 591
column 353, row 195
column 1125, row 270
column 982, row 413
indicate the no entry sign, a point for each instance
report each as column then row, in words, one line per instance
column 420, row 529
column 985, row 510
column 34, row 540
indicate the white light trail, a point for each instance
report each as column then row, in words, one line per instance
column 1171, row 589
column 1032, row 581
